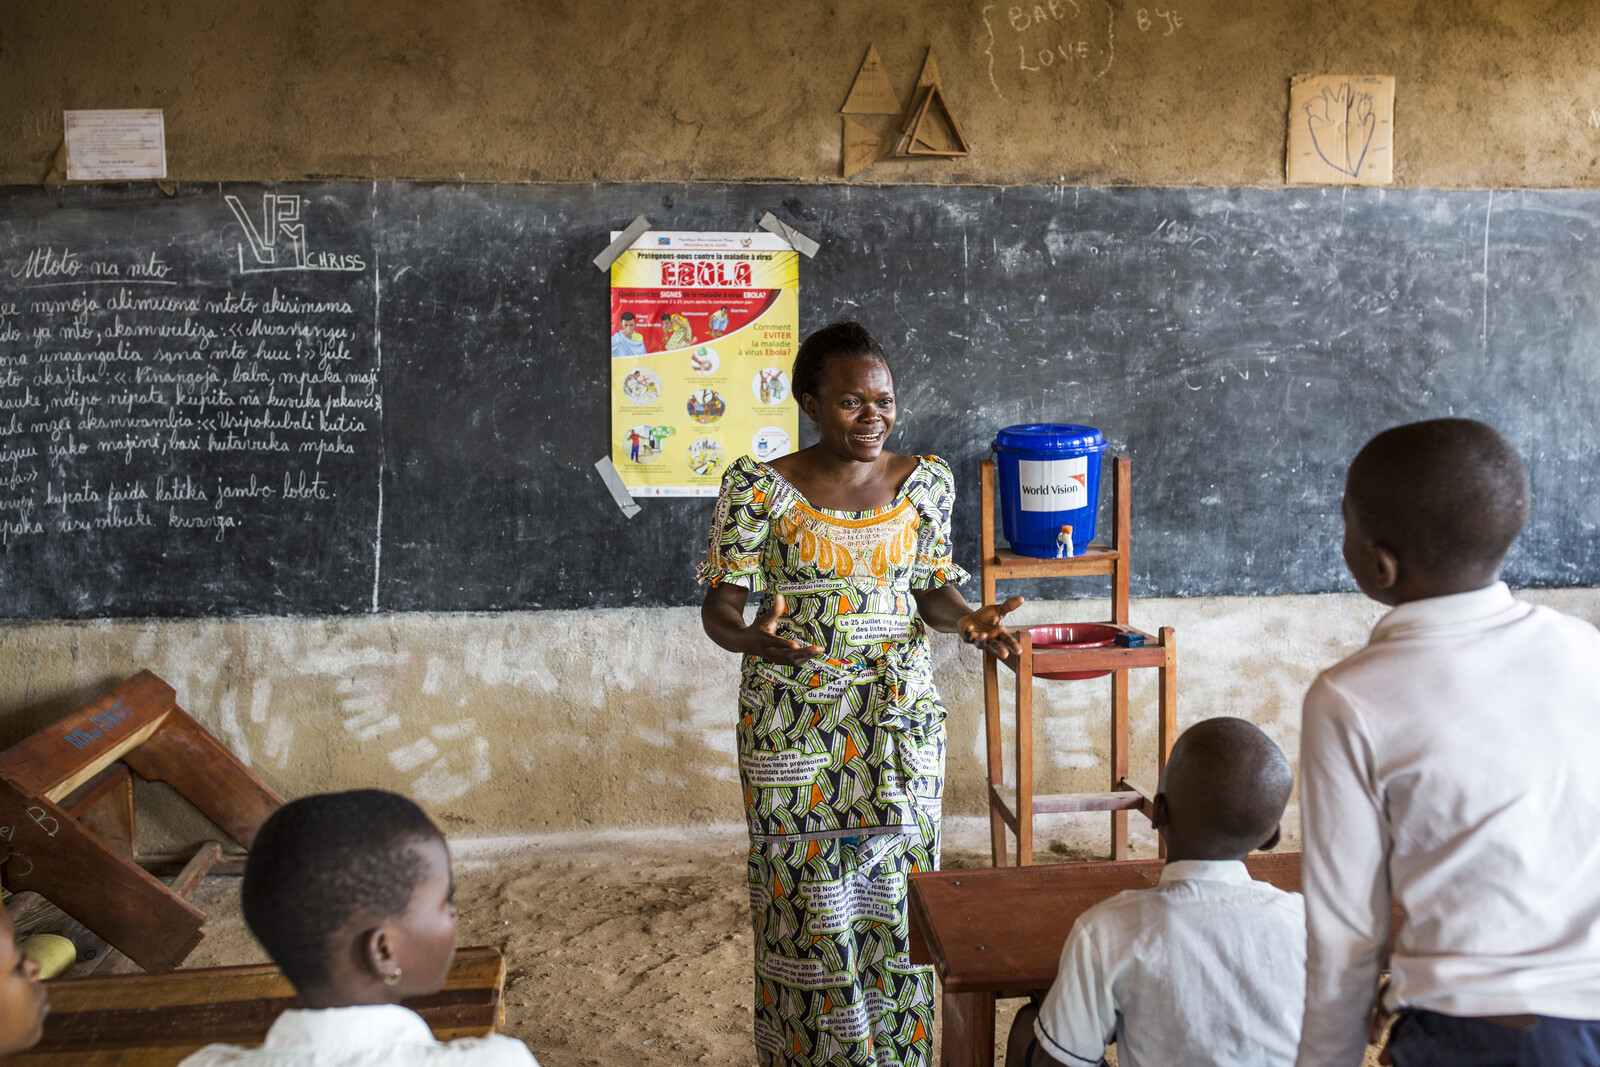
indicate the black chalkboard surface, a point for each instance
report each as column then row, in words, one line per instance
column 391, row 396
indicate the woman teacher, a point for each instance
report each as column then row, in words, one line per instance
column 841, row 734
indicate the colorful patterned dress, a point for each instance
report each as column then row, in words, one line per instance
column 842, row 761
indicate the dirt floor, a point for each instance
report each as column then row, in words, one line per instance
column 620, row 948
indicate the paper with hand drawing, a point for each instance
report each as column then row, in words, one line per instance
column 1341, row 130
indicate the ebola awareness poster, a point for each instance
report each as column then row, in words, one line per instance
column 703, row 334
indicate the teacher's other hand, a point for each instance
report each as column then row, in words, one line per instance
column 984, row 628
column 763, row 640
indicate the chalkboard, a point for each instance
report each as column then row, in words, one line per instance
column 349, row 397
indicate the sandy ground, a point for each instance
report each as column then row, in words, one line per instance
column 620, row 947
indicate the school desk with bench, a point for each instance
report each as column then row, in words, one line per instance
column 997, row 932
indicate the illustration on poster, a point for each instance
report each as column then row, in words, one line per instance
column 769, row 442
column 706, row 405
column 719, row 321
column 675, row 331
column 627, row 340
column 642, row 386
column 770, row 385
column 645, row 442
column 704, row 360
column 705, row 456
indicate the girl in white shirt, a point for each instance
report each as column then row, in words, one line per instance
column 351, row 895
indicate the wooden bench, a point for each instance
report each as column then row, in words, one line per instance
column 997, row 932
column 66, row 810
column 155, row 1020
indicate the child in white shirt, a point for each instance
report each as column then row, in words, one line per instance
column 1206, row 969
column 351, row 895
column 1452, row 765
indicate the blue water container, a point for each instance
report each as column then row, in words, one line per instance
column 1049, row 478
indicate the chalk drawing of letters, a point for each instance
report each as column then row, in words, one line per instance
column 279, row 243
column 1341, row 122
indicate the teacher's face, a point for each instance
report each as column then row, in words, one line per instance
column 856, row 410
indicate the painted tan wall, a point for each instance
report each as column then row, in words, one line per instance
column 572, row 720
column 555, row 721
column 1491, row 93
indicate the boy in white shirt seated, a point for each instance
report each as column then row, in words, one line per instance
column 1207, row 968
column 1452, row 764
column 350, row 894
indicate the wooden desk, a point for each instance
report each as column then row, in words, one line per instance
column 155, row 1020
column 998, row 931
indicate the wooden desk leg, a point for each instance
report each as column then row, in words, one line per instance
column 1119, row 759
column 968, row 1030
column 1166, row 707
column 1025, row 753
column 996, row 757
column 92, row 882
column 186, row 757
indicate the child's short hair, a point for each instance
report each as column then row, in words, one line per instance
column 1447, row 496
column 322, row 862
column 839, row 340
column 1231, row 777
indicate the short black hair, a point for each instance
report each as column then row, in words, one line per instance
column 834, row 342
column 1231, row 780
column 323, row 862
column 627, row 314
column 1447, row 496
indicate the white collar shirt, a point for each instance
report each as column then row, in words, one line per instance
column 383, row 1035
column 1207, row 968
column 1453, row 765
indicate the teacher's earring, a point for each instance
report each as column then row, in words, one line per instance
column 392, row 978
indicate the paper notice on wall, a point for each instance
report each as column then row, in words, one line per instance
column 703, row 332
column 122, row 145
column 1341, row 130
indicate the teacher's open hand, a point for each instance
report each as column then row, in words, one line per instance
column 985, row 627
column 762, row 638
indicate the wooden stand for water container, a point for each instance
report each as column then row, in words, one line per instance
column 1016, row 808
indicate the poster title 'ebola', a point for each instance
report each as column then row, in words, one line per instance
column 701, row 273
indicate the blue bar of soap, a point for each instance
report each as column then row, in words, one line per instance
column 1126, row 640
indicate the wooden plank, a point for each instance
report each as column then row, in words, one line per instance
column 19, row 904
column 1122, row 508
column 190, row 876
column 63, row 756
column 1097, row 659
column 1069, row 803
column 986, row 529
column 104, row 806
column 968, row 1039
column 1024, row 752
column 1119, row 761
column 159, row 1019
column 93, row 883
column 1022, row 915
column 214, row 780
column 1006, row 564
column 166, row 864
column 195, row 871
column 993, row 754
column 1002, row 802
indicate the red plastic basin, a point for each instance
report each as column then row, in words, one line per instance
column 1072, row 635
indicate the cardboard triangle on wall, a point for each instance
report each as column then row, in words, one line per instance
column 871, row 93
column 929, row 76
column 933, row 130
column 859, row 147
